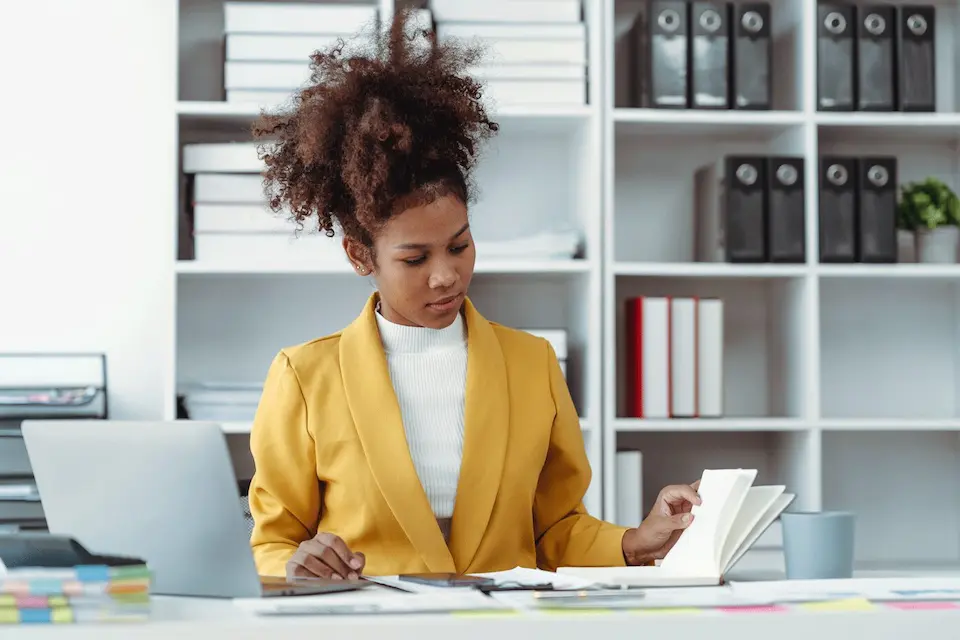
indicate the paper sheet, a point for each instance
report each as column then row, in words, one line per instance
column 875, row 589
column 660, row 598
column 523, row 577
column 373, row 601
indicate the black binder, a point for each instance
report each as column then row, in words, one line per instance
column 836, row 55
column 751, row 55
column 877, row 210
column 786, row 218
column 876, row 58
column 667, row 51
column 746, row 208
column 916, row 52
column 838, row 209
column 709, row 55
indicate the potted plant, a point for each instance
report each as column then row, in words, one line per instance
column 932, row 209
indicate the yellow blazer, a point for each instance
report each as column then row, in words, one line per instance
column 331, row 455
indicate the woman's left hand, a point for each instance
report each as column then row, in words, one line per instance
column 662, row 527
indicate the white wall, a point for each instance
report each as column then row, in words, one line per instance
column 86, row 232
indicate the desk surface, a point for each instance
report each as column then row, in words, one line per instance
column 186, row 618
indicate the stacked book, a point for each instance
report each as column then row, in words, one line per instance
column 536, row 50
column 232, row 221
column 268, row 44
column 674, row 357
column 233, row 224
column 74, row 594
column 222, row 402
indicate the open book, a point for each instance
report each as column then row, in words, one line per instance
column 732, row 515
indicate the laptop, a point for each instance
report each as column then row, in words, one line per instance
column 164, row 492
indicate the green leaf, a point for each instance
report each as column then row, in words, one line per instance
column 930, row 203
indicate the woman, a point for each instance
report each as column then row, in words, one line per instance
column 422, row 437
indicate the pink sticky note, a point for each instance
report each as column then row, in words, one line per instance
column 764, row 608
column 924, row 606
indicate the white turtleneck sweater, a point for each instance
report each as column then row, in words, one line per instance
column 428, row 369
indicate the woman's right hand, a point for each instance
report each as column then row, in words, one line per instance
column 325, row 556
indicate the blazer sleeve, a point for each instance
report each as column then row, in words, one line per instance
column 566, row 534
column 285, row 498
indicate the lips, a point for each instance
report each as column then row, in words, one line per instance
column 444, row 304
column 443, row 301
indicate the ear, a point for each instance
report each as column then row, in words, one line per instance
column 359, row 256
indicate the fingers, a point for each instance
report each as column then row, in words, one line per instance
column 342, row 556
column 678, row 493
column 325, row 556
column 679, row 521
column 305, row 565
column 323, row 552
column 696, row 485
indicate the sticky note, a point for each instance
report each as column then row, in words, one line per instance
column 766, row 608
column 669, row 611
column 847, row 604
column 485, row 614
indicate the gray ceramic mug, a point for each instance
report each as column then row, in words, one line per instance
column 818, row 545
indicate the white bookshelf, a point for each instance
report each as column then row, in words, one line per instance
column 542, row 169
column 842, row 381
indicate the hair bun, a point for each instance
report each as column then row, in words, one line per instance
column 369, row 130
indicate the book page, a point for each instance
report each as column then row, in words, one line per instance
column 756, row 503
column 697, row 552
column 773, row 512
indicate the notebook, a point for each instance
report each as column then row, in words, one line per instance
column 732, row 515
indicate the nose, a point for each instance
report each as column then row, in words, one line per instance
column 443, row 276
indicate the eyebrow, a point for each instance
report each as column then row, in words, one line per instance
column 414, row 245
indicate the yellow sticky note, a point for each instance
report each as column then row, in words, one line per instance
column 848, row 604
column 9, row 615
column 61, row 615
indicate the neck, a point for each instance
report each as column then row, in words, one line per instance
column 401, row 338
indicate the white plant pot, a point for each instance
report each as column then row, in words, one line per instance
column 938, row 246
column 906, row 246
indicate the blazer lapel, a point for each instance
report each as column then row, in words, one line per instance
column 376, row 414
column 486, row 429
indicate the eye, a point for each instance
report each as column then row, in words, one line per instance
column 460, row 249
column 416, row 261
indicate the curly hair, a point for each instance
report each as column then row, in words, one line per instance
column 373, row 134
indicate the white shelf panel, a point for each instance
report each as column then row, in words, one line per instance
column 193, row 114
column 709, row 270
column 491, row 267
column 888, row 424
column 719, row 425
column 691, row 122
column 913, row 127
column 890, row 271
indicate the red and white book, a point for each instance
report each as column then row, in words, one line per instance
column 648, row 357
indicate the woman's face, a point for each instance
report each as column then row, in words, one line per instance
column 424, row 263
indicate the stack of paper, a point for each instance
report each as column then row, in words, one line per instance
column 78, row 594
column 536, row 51
column 232, row 220
column 268, row 45
column 222, row 401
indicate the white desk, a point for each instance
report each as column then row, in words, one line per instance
column 187, row 618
